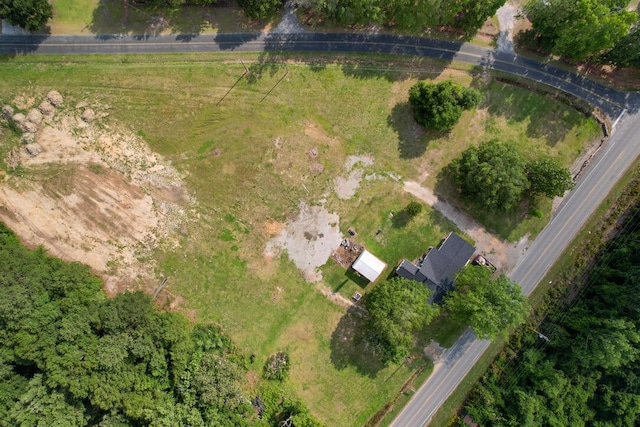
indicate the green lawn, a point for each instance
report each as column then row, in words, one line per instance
column 247, row 164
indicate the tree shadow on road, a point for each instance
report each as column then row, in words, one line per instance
column 21, row 45
column 349, row 345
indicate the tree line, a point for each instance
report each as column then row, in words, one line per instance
column 589, row 372
column 71, row 356
column 599, row 30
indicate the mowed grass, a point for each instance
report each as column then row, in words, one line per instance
column 245, row 155
column 72, row 16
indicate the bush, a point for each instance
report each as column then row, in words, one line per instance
column 277, row 366
column 439, row 105
column 413, row 208
column 536, row 212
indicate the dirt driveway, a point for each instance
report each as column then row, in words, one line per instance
column 504, row 255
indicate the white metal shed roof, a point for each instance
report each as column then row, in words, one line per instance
column 369, row 266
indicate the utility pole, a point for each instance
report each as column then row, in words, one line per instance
column 541, row 335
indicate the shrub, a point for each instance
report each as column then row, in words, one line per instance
column 413, row 208
column 277, row 366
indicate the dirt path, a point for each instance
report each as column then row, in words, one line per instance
column 507, row 17
column 342, row 301
column 502, row 254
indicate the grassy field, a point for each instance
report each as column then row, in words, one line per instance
column 246, row 160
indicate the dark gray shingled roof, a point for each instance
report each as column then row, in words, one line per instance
column 438, row 267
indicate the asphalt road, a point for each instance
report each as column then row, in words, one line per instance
column 593, row 186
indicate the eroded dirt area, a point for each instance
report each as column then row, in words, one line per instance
column 88, row 191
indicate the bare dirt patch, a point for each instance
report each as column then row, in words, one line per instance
column 309, row 240
column 346, row 187
column 95, row 194
column 273, row 227
column 316, row 133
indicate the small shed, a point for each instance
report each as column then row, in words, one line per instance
column 369, row 266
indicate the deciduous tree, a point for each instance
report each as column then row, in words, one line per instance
column 397, row 307
column 31, row 15
column 439, row 105
column 626, row 52
column 260, row 8
column 490, row 305
column 548, row 177
column 579, row 29
column 491, row 175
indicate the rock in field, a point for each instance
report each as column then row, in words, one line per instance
column 55, row 98
column 33, row 149
column 34, row 116
column 88, row 115
column 7, row 111
column 47, row 108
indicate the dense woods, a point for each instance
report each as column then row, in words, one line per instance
column 70, row 356
column 588, row 374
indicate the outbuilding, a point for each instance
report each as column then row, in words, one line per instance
column 369, row 266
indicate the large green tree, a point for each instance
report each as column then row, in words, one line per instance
column 32, row 15
column 548, row 177
column 626, row 52
column 579, row 29
column 490, row 305
column 491, row 175
column 259, row 8
column 467, row 15
column 397, row 307
column 439, row 105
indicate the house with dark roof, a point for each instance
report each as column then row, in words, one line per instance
column 439, row 266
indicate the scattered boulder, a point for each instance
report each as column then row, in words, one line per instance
column 33, row 149
column 28, row 138
column 34, row 116
column 88, row 115
column 19, row 119
column 7, row 111
column 55, row 98
column 29, row 127
column 47, row 108
column 313, row 152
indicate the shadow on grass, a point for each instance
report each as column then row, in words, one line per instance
column 547, row 113
column 367, row 56
column 349, row 347
column 401, row 219
column 356, row 278
column 444, row 329
column 111, row 20
column 410, row 133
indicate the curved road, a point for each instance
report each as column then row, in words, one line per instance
column 593, row 186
